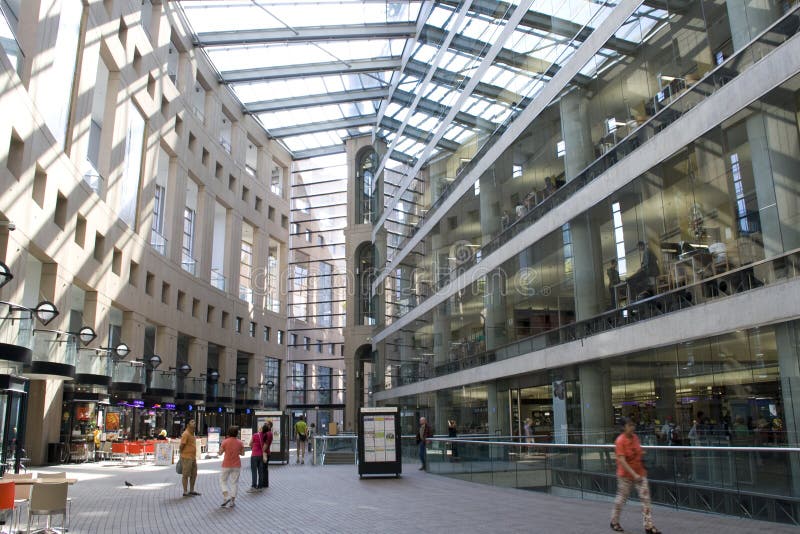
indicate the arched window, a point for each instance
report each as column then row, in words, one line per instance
column 365, row 274
column 365, row 180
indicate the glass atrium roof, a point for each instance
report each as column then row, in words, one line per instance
column 315, row 72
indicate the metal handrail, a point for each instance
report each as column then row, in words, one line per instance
column 611, row 446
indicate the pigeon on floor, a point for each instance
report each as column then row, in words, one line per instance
column 128, row 484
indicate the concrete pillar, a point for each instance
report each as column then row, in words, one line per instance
column 560, row 426
column 198, row 356
column 748, row 18
column 441, row 333
column 133, row 325
column 597, row 412
column 233, row 246
column 493, row 410
column 440, row 409
column 204, row 229
column 787, row 342
column 494, row 296
column 166, row 346
column 587, row 261
column 227, row 364
column 576, row 133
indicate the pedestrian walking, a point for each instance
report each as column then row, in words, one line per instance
column 301, row 428
column 424, row 433
column 256, row 462
column 631, row 472
column 231, row 449
column 452, row 432
column 188, row 459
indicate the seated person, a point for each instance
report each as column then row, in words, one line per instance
column 643, row 280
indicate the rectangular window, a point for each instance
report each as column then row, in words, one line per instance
column 252, row 330
column 331, row 348
column 325, row 295
column 272, row 377
column 281, row 335
column 516, row 171
column 276, row 180
column 292, row 340
column 246, row 267
column 267, row 332
column 619, row 238
column 238, row 326
column 158, row 210
column 306, row 342
column 297, row 393
column 319, row 346
column 300, row 292
column 132, row 168
column 188, row 233
column 273, row 297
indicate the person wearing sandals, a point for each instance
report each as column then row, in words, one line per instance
column 631, row 472
column 231, row 449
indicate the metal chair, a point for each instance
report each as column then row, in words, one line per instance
column 22, row 494
column 57, row 476
column 48, row 499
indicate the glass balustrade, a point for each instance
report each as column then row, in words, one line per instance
column 162, row 380
column 752, row 482
column 129, row 373
column 52, row 346
column 91, row 363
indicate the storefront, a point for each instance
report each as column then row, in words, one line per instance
column 13, row 412
column 83, row 414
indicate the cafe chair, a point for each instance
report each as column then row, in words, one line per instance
column 48, row 499
column 7, row 489
column 58, row 475
column 22, row 494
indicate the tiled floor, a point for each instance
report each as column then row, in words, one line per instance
column 308, row 499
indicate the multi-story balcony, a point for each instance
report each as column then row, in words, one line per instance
column 128, row 377
column 217, row 279
column 162, row 383
column 189, row 388
column 188, row 264
column 55, row 355
column 94, row 367
column 16, row 335
column 251, row 396
column 220, row 393
column 158, row 242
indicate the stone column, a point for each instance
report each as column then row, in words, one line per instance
column 233, row 246
column 587, row 262
column 494, row 296
column 787, row 341
column 597, row 412
column 198, row 356
column 166, row 346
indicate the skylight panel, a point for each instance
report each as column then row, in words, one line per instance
column 452, row 132
column 334, row 84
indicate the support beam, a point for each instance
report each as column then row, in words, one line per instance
column 295, row 102
column 325, row 126
column 418, row 134
column 435, row 109
column 320, row 151
column 546, row 23
column 451, row 79
column 346, row 32
column 357, row 66
column 467, row 45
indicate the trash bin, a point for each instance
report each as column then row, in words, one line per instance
column 55, row 452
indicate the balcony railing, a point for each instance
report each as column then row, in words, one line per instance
column 16, row 329
column 220, row 391
column 131, row 373
column 163, row 381
column 188, row 264
column 191, row 388
column 751, row 482
column 158, row 242
column 93, row 178
column 679, row 105
column 9, row 43
column 94, row 364
column 752, row 276
column 246, row 294
column 55, row 353
column 217, row 279
column 251, row 395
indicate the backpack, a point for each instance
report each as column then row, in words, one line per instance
column 674, row 435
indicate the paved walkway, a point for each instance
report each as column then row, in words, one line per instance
column 307, row 499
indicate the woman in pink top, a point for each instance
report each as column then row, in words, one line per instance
column 231, row 449
column 266, row 440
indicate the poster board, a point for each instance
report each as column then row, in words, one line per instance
column 212, row 447
column 246, row 434
column 163, row 453
column 379, row 449
column 279, row 450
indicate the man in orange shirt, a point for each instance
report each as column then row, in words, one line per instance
column 630, row 472
column 188, row 450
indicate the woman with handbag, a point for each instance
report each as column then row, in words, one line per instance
column 266, row 443
column 256, row 462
